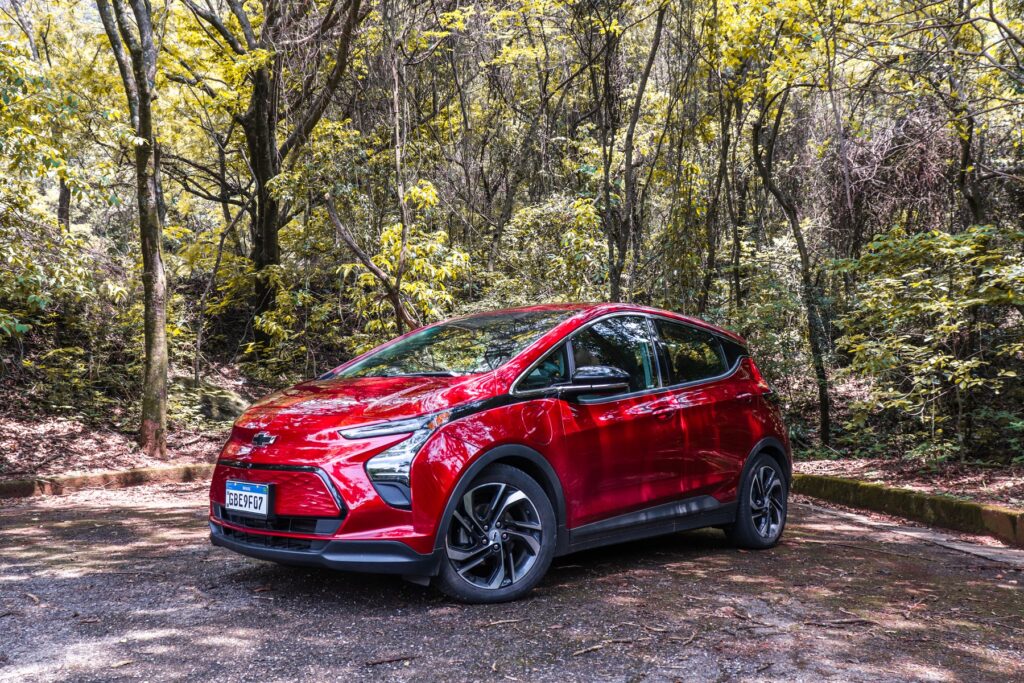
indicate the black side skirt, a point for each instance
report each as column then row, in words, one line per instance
column 684, row 515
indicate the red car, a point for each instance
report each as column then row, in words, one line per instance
column 472, row 452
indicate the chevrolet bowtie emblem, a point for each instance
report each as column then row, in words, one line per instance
column 263, row 439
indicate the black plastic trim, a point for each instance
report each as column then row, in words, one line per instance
column 769, row 442
column 395, row 494
column 296, row 524
column 684, row 515
column 382, row 557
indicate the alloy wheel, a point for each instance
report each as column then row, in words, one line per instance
column 767, row 502
column 495, row 536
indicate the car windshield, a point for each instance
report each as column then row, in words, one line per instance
column 471, row 345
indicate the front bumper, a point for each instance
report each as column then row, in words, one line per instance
column 378, row 556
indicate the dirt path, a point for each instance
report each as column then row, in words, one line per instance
column 123, row 585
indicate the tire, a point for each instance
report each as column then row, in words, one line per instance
column 500, row 539
column 760, row 514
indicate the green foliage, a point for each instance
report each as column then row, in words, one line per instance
column 430, row 268
column 551, row 252
column 477, row 158
column 936, row 324
column 772, row 316
column 59, row 314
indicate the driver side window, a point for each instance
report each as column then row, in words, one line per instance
column 554, row 369
column 621, row 342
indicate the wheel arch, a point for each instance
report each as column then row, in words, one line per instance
column 522, row 458
column 774, row 448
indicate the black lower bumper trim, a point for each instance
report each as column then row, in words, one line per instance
column 379, row 557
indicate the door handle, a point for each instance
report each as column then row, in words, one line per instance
column 665, row 413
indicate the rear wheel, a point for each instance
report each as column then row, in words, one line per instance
column 762, row 505
column 500, row 539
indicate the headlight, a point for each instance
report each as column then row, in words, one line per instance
column 389, row 428
column 389, row 470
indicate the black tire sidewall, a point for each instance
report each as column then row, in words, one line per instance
column 742, row 532
column 453, row 585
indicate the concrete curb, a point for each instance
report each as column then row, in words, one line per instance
column 23, row 488
column 1005, row 524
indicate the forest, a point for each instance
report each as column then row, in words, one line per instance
column 193, row 191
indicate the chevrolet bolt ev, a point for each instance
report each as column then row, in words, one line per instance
column 472, row 452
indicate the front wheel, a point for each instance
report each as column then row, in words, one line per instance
column 499, row 540
column 762, row 504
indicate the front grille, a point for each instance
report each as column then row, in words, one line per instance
column 295, row 491
column 286, row 524
column 273, row 542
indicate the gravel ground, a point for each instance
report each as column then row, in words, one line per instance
column 123, row 585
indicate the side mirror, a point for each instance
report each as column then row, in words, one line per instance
column 596, row 379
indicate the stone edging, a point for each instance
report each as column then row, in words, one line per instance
column 1005, row 524
column 21, row 488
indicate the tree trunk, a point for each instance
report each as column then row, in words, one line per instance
column 135, row 52
column 259, row 124
column 815, row 331
column 24, row 22
column 710, row 264
column 153, row 432
column 64, row 205
column 398, row 120
column 764, row 161
column 277, row 35
column 629, row 227
column 404, row 318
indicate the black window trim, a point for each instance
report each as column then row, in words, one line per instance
column 720, row 351
column 655, row 337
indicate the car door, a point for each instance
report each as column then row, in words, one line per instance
column 625, row 448
column 711, row 409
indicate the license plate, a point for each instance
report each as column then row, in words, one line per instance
column 244, row 496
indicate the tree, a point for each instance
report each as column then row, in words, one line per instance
column 129, row 29
column 330, row 172
column 297, row 54
column 763, row 145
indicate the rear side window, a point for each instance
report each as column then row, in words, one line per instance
column 554, row 369
column 733, row 352
column 688, row 354
column 621, row 342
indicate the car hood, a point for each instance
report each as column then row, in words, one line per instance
column 347, row 402
column 303, row 421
